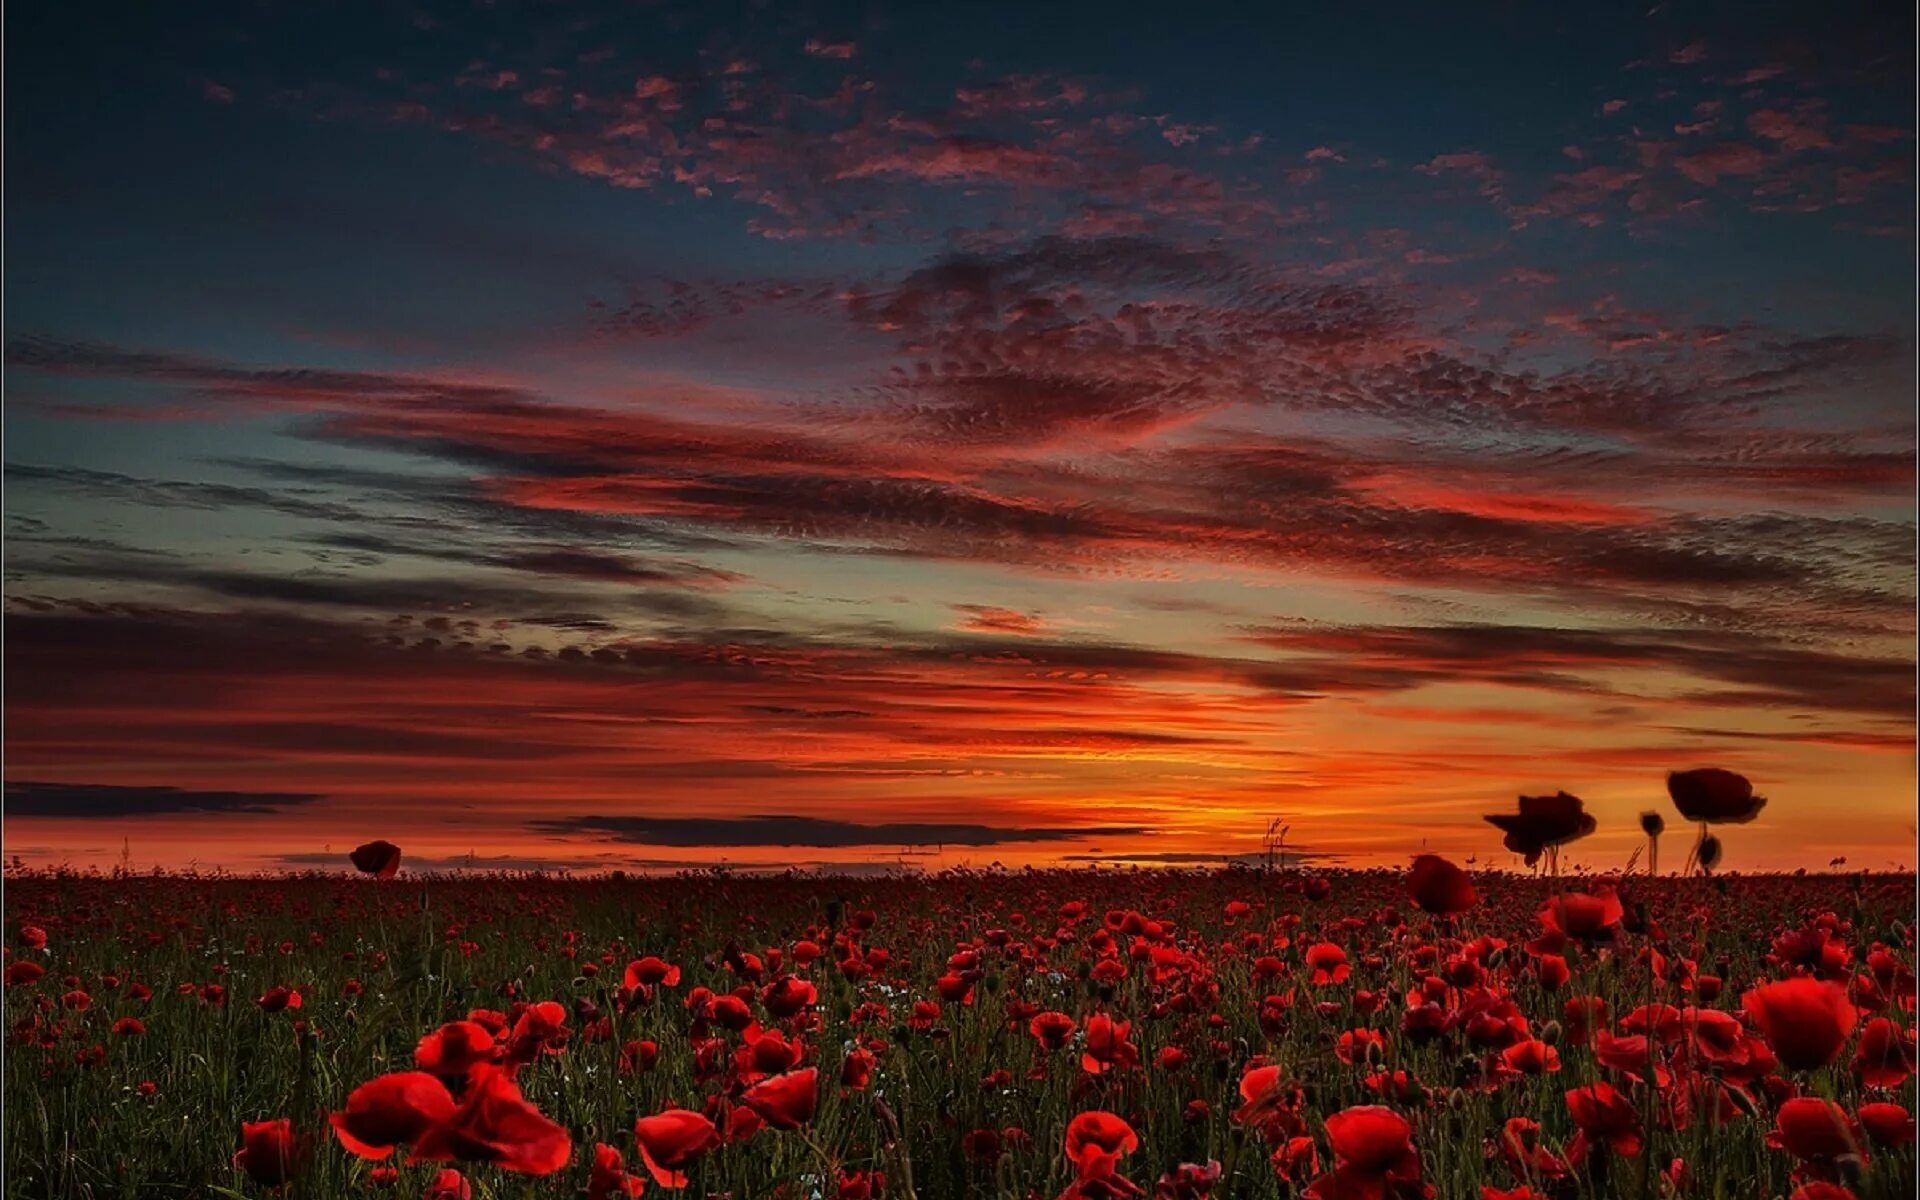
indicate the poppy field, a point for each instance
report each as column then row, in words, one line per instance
column 1040, row 1033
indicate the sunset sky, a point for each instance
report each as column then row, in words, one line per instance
column 643, row 435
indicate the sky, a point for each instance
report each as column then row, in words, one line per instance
column 650, row 435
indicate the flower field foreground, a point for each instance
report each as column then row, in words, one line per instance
column 1378, row 1034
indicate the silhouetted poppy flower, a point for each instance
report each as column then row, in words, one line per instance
column 1806, row 1021
column 1373, row 1155
column 392, row 1110
column 1438, row 886
column 1602, row 1114
column 671, row 1140
column 1885, row 1055
column 786, row 1101
column 270, row 1152
column 1543, row 822
column 1714, row 795
column 380, row 859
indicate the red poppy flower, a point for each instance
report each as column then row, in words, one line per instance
column 670, row 1140
column 380, row 859
column 1543, row 821
column 1437, row 886
column 1817, row 1132
column 651, row 972
column 1806, row 1021
column 788, row 995
column 1602, row 1115
column 1885, row 1056
column 1716, row 1037
column 456, row 1050
column 1887, row 1124
column 540, row 1028
column 1552, row 971
column 1355, row 1045
column 21, row 972
column 1581, row 1015
column 448, row 1184
column 608, row 1176
column 1328, row 962
column 384, row 1113
column 279, row 999
column 1820, row 1189
column 1583, row 916
column 1532, row 1057
column 786, row 1101
column 1521, row 1147
column 1051, row 1029
column 495, row 1124
column 270, row 1152
column 1260, row 1092
column 1095, row 1143
column 1714, row 795
column 1373, row 1156
column 1188, row 1181
column 1107, row 1045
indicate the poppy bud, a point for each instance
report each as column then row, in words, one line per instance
column 1709, row 853
column 1496, row 958
column 1550, row 1033
column 1456, row 1099
column 1652, row 824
